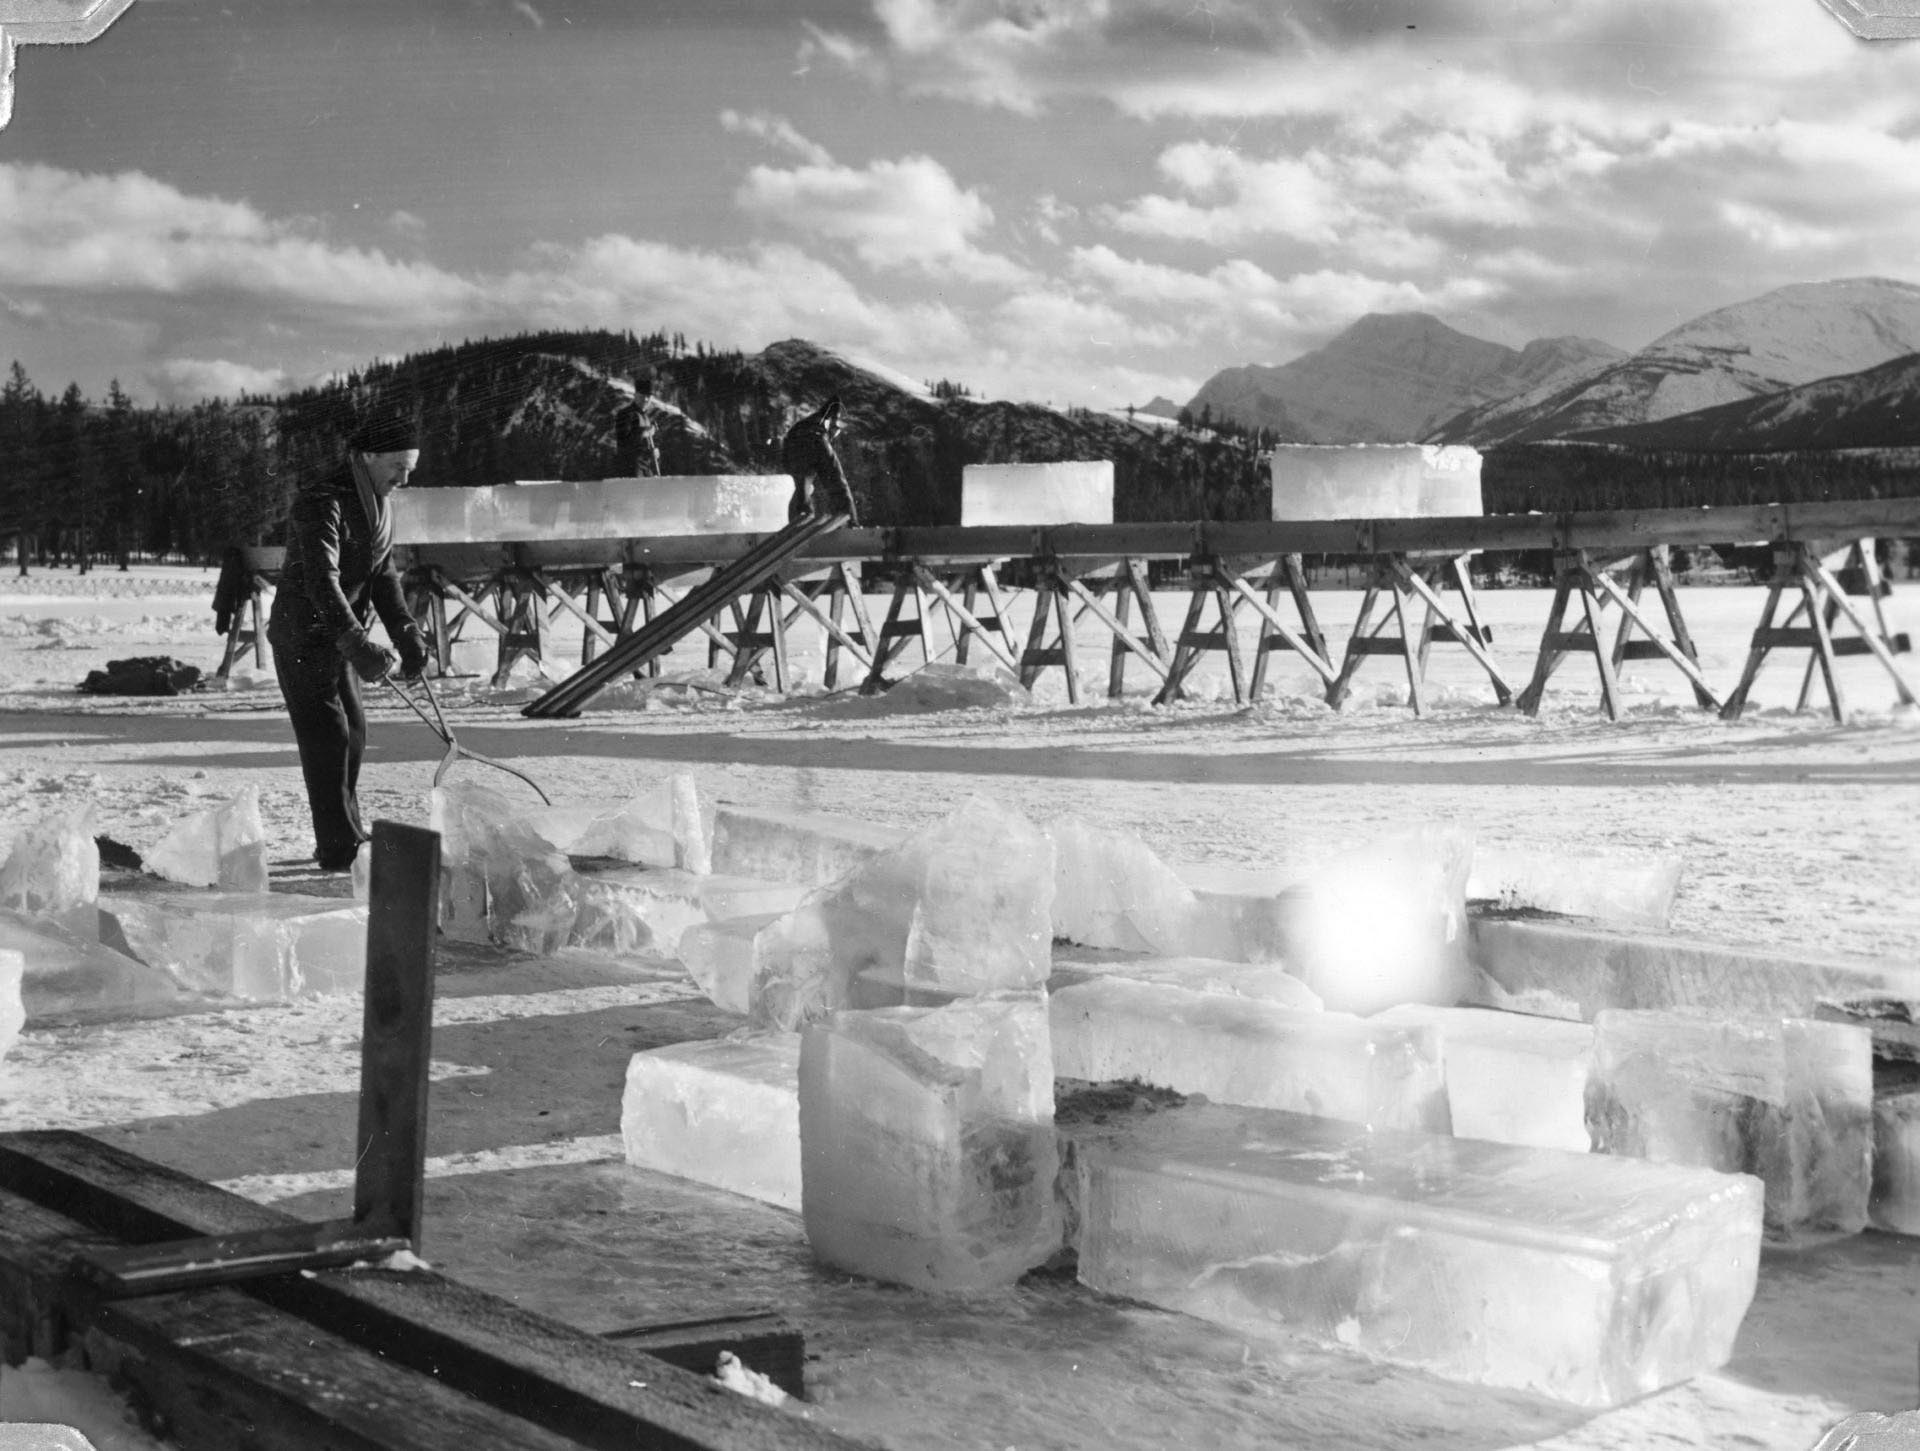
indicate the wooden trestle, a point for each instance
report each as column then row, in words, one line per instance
column 949, row 597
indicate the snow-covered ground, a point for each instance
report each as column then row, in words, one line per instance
column 1794, row 831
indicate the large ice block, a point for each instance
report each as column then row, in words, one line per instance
column 13, row 1007
column 53, row 872
column 63, row 972
column 663, row 826
column 1790, row 1100
column 1242, row 1050
column 1374, row 481
column 1895, row 1203
column 725, row 1113
column 1264, row 981
column 960, row 907
column 224, row 847
column 1632, row 891
column 629, row 908
column 594, row 509
column 1510, row 1078
column 927, row 1149
column 719, row 957
column 1576, row 969
column 1382, row 924
column 1078, row 492
column 266, row 945
column 1112, row 890
column 810, row 848
column 500, row 879
column 1589, row 1279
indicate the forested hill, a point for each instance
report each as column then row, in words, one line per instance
column 544, row 406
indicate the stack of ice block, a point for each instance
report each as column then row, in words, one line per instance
column 1895, row 1205
column 501, row 880
column 1510, row 1078
column 63, row 972
column 1632, row 891
column 677, row 504
column 927, row 1149
column 1245, row 1051
column 13, row 1007
column 808, row 848
column 961, row 907
column 1790, row 1100
column 53, row 873
column 224, row 847
column 268, row 945
column 1588, row 1279
column 725, row 1113
column 1079, row 492
column 1374, row 481
column 663, row 826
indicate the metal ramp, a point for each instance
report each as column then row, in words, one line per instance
column 698, row 606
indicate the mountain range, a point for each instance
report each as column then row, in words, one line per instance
column 1409, row 377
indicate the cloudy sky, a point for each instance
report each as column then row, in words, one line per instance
column 1082, row 201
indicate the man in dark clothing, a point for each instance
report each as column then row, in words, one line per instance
column 339, row 565
column 635, row 435
column 807, row 456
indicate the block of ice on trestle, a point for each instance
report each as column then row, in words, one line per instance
column 628, row 908
column 719, row 957
column 927, row 1149
column 963, row 906
column 1383, row 924
column 1588, row 1279
column 1374, row 481
column 725, row 1113
column 1633, row 891
column 663, row 826
column 1790, row 1100
column 224, row 847
column 53, row 872
column 13, row 1007
column 1111, row 890
column 1244, row 1051
column 500, row 879
column 63, row 972
column 1895, row 1203
column 1075, row 492
column 675, row 504
column 1510, row 1078
column 267, row 945
column 810, row 848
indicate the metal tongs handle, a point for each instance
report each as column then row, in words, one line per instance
column 418, row 690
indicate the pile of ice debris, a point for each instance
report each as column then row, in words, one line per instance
column 212, row 932
column 1353, row 1136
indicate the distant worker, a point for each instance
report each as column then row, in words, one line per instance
column 339, row 565
column 634, row 432
column 807, row 455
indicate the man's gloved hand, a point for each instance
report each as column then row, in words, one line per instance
column 413, row 656
column 371, row 661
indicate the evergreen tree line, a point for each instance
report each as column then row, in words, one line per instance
column 84, row 480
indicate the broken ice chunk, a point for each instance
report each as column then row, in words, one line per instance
column 1895, row 1205
column 1576, row 1276
column 53, row 871
column 665, row 902
column 1241, row 1050
column 224, row 847
column 724, row 1113
column 269, row 946
column 809, row 848
column 1632, row 891
column 661, row 827
column 1790, row 1100
column 719, row 957
column 1510, row 1078
column 961, row 907
column 62, row 972
column 1383, row 924
column 927, row 1149
column 501, row 880
column 1111, row 890
column 1265, row 981
column 13, row 1008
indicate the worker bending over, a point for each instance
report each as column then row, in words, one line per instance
column 807, row 455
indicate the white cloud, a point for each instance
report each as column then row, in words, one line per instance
column 895, row 214
column 776, row 131
column 1230, row 198
column 190, row 380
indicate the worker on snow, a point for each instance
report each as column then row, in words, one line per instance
column 634, row 433
column 807, row 455
column 339, row 564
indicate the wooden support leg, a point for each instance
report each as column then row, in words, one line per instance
column 1593, row 608
column 1413, row 658
column 1185, row 654
column 1823, row 646
column 1117, row 662
column 1551, row 650
column 1031, row 657
column 1471, row 635
column 1063, row 612
column 1756, row 653
column 1343, row 683
column 886, row 645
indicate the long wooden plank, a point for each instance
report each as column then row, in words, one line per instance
column 476, row 1343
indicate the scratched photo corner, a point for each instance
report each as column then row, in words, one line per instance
column 945, row 723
